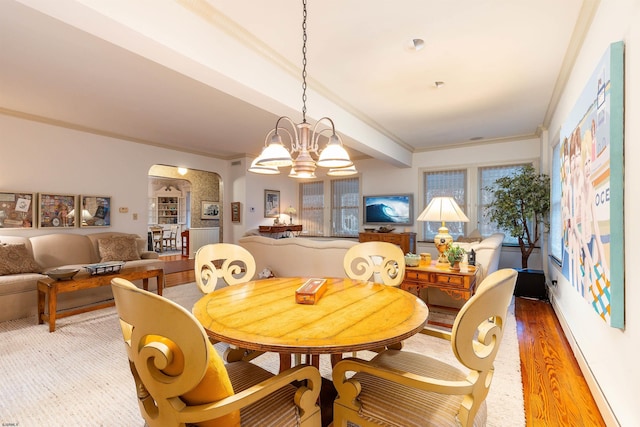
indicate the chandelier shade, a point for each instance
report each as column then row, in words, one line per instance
column 264, row 170
column 304, row 139
column 334, row 155
column 349, row 170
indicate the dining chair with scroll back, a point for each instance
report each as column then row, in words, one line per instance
column 379, row 262
column 181, row 380
column 231, row 264
column 411, row 389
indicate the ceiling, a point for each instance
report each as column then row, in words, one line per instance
column 212, row 76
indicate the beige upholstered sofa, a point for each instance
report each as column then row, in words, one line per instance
column 487, row 253
column 298, row 256
column 50, row 251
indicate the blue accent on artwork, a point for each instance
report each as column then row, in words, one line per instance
column 389, row 209
column 384, row 213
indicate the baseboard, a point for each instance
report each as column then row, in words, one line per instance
column 599, row 397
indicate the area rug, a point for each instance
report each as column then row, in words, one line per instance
column 79, row 374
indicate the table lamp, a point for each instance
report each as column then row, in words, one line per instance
column 443, row 209
column 291, row 211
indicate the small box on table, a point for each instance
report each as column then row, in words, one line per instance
column 311, row 291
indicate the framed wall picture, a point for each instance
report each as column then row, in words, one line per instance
column 56, row 210
column 235, row 211
column 592, row 161
column 95, row 211
column 210, row 210
column 17, row 210
column 271, row 203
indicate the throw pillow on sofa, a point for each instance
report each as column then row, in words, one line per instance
column 16, row 259
column 118, row 248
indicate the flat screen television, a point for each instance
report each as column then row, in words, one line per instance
column 388, row 209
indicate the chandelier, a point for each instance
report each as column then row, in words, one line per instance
column 304, row 139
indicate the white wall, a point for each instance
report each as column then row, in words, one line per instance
column 40, row 158
column 611, row 354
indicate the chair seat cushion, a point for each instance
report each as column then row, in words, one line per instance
column 277, row 409
column 389, row 403
column 215, row 384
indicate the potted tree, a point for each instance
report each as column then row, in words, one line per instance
column 520, row 206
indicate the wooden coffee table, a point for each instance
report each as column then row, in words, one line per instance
column 51, row 288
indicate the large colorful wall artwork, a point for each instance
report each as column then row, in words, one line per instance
column 592, row 190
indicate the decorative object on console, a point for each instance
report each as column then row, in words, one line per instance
column 443, row 209
column 425, row 259
column 304, row 138
column 62, row 273
column 291, row 211
column 454, row 255
column 17, row 210
column 112, row 267
column 412, row 260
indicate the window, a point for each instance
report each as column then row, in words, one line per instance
column 467, row 186
column 451, row 183
column 555, row 219
column 342, row 198
column 345, row 197
column 487, row 176
column 312, row 207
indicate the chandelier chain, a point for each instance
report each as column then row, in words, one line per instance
column 304, row 61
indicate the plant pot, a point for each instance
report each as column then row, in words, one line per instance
column 455, row 266
column 530, row 284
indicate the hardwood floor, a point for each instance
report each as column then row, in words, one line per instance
column 555, row 391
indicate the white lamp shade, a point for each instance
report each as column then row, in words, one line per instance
column 334, row 155
column 290, row 210
column 350, row 170
column 261, row 169
column 275, row 154
column 443, row 209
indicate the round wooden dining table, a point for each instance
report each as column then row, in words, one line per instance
column 350, row 316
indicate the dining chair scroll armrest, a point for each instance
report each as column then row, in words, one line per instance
column 349, row 388
column 306, row 397
column 437, row 333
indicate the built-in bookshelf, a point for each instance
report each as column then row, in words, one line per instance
column 167, row 207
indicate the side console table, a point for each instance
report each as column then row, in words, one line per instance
column 281, row 230
column 458, row 285
column 406, row 241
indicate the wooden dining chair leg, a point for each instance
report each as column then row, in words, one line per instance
column 335, row 358
column 313, row 360
column 285, row 361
